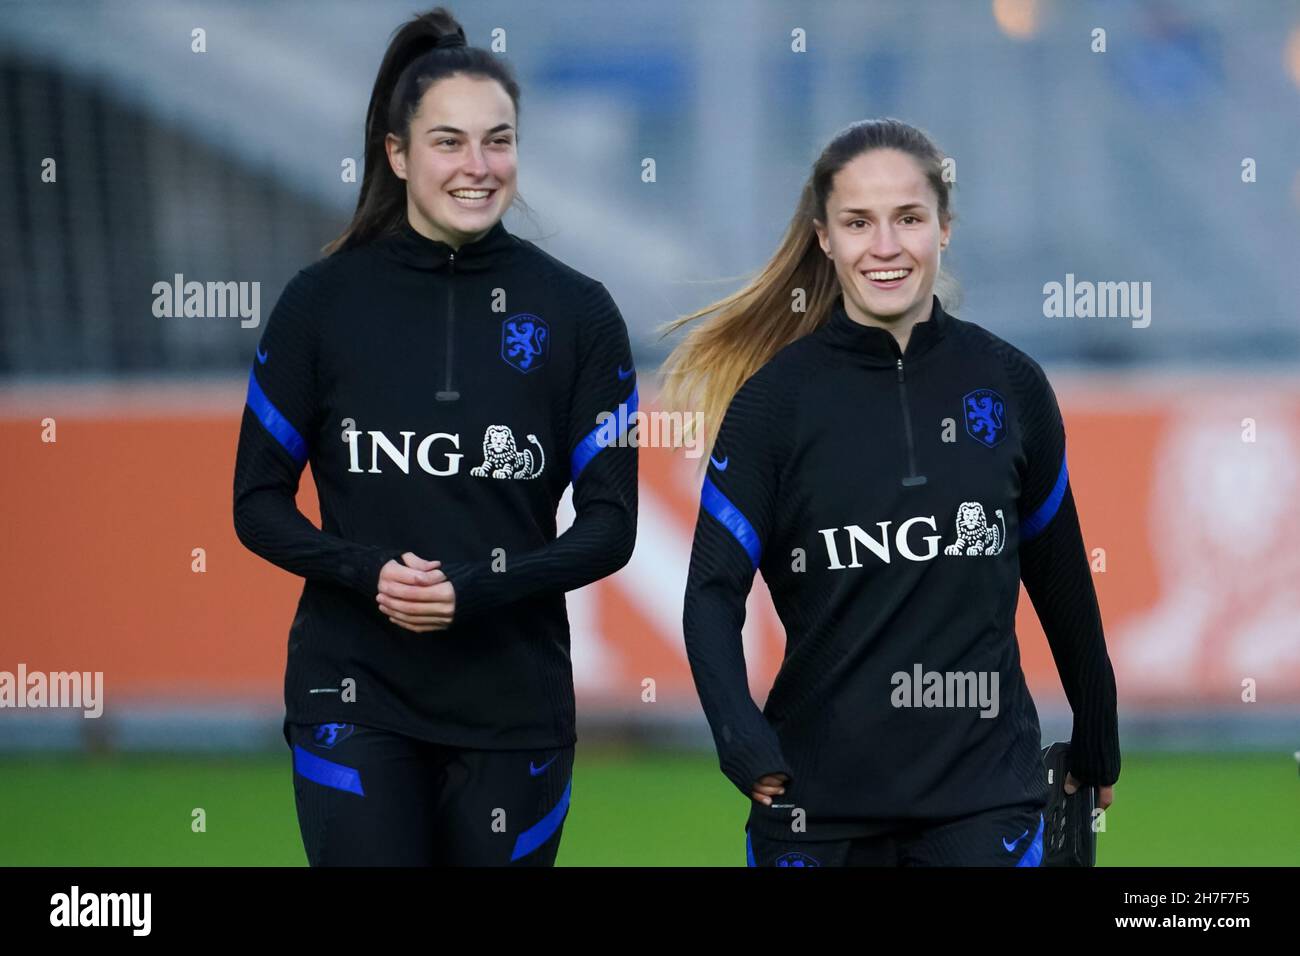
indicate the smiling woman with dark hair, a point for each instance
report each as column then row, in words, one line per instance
column 447, row 381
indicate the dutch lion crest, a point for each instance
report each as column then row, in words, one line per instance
column 985, row 414
column 525, row 341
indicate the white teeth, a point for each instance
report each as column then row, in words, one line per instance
column 470, row 193
column 888, row 276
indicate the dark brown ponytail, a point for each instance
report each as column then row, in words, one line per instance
column 414, row 61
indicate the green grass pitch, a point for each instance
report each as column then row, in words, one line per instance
column 627, row 809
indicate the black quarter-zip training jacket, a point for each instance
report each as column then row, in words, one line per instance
column 445, row 399
column 893, row 502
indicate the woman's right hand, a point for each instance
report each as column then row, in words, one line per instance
column 769, row 786
column 416, row 595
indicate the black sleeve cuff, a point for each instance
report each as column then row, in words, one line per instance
column 466, row 579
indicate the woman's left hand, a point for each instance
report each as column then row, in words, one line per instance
column 1105, row 795
column 429, row 605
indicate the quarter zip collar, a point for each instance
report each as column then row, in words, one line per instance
column 420, row 252
column 879, row 345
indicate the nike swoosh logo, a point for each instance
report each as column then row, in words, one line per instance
column 536, row 770
column 262, row 356
column 622, row 375
column 1012, row 847
column 720, row 465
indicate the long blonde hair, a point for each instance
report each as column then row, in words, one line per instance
column 792, row 294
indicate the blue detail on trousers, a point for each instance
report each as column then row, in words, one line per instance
column 1041, row 518
column 749, row 850
column 731, row 518
column 1034, row 854
column 543, row 829
column 326, row 772
column 281, row 428
column 599, row 438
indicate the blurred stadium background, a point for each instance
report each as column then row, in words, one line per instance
column 226, row 165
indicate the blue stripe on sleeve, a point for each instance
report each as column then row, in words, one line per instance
column 720, row 506
column 1041, row 518
column 543, row 829
column 326, row 772
column 597, row 438
column 279, row 426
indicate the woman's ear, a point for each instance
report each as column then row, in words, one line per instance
column 396, row 155
column 823, row 237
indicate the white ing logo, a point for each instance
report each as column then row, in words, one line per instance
column 974, row 537
column 501, row 457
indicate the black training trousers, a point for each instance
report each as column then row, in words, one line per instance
column 1004, row 836
column 370, row 797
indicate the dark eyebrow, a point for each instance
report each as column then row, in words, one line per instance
column 865, row 212
column 451, row 129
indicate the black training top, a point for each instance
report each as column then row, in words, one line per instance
column 445, row 399
column 893, row 502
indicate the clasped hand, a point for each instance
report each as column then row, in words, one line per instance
column 416, row 595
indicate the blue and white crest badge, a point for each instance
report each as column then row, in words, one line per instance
column 985, row 414
column 525, row 341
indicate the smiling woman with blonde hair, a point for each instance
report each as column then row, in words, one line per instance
column 894, row 473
